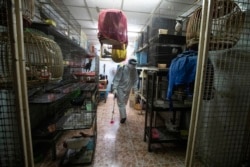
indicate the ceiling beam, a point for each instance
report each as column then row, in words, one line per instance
column 87, row 7
column 98, row 9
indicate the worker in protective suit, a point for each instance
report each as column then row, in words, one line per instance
column 126, row 78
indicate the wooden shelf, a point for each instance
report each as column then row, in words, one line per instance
column 168, row 39
column 109, row 41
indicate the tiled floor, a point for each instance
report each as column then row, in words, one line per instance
column 122, row 145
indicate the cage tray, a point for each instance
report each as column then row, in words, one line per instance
column 83, row 156
column 76, row 120
column 165, row 135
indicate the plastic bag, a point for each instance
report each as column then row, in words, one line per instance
column 112, row 25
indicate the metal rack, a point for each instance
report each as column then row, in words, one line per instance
column 79, row 116
column 156, row 129
column 76, row 120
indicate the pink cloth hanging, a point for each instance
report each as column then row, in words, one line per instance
column 112, row 26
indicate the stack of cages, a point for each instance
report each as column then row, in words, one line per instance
column 165, row 42
column 11, row 135
column 223, row 133
column 141, row 47
column 69, row 36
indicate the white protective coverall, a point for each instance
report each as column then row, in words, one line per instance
column 125, row 79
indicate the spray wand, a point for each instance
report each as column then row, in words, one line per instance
column 112, row 118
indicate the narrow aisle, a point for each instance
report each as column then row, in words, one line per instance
column 122, row 145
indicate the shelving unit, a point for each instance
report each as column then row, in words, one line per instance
column 160, row 49
column 142, row 79
column 80, row 119
column 62, row 116
column 83, row 118
column 157, row 127
column 67, row 45
column 164, row 47
column 73, row 117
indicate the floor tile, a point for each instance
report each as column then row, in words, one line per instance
column 123, row 145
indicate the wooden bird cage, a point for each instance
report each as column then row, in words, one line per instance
column 43, row 59
column 28, row 12
column 227, row 24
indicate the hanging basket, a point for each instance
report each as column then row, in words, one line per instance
column 28, row 12
column 227, row 24
column 119, row 53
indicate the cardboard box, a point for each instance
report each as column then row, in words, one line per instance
column 138, row 106
column 131, row 103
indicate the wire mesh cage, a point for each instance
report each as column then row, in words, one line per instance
column 5, row 61
column 223, row 133
column 11, row 148
column 227, row 24
column 223, row 130
column 28, row 12
column 77, row 120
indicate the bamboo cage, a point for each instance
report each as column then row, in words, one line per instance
column 44, row 61
column 28, row 12
column 43, row 58
column 227, row 23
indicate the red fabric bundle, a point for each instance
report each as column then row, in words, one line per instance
column 112, row 26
